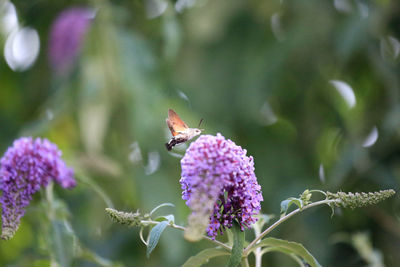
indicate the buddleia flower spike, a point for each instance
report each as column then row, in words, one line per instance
column 219, row 186
column 27, row 166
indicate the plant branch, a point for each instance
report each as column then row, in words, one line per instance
column 183, row 229
column 257, row 252
column 245, row 262
column 284, row 218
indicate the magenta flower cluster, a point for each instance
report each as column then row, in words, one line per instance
column 217, row 171
column 26, row 167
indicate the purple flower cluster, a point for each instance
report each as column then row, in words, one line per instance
column 66, row 37
column 26, row 167
column 218, row 182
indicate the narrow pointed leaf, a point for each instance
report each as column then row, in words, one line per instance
column 289, row 247
column 285, row 205
column 169, row 218
column 62, row 243
column 154, row 236
column 204, row 256
column 160, row 206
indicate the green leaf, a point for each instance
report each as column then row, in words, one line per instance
column 262, row 220
column 169, row 218
column 204, row 256
column 237, row 249
column 306, row 197
column 229, row 235
column 62, row 242
column 94, row 186
column 154, row 236
column 288, row 248
column 160, row 206
column 296, row 258
column 285, row 205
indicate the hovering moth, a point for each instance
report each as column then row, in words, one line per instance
column 179, row 130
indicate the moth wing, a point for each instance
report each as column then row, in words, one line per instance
column 175, row 123
column 171, row 128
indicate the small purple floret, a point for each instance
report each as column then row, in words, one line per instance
column 216, row 169
column 26, row 167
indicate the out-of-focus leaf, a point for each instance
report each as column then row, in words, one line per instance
column 262, row 220
column 345, row 91
column 277, row 27
column 95, row 187
column 153, row 163
column 154, row 236
column 173, row 38
column 95, row 258
column 204, row 256
column 181, row 5
column 390, row 48
column 94, row 118
column 155, row 8
column 288, row 247
column 63, row 243
column 321, row 173
column 343, row 6
column 372, row 137
column 40, row 263
column 100, row 164
column 362, row 243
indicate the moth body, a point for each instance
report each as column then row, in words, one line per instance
column 179, row 130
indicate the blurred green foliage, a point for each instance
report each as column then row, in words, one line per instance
column 259, row 72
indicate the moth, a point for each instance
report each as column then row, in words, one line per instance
column 179, row 130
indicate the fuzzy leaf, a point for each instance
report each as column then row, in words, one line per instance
column 285, row 205
column 289, row 248
column 204, row 256
column 160, row 206
column 154, row 236
column 169, row 218
column 62, row 242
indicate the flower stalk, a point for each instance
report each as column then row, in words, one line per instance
column 136, row 219
column 283, row 219
column 339, row 199
column 358, row 200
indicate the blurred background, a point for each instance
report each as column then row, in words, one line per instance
column 311, row 88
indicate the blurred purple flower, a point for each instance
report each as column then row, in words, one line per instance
column 219, row 185
column 66, row 37
column 26, row 167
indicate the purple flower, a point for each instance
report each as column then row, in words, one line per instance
column 219, row 185
column 26, row 167
column 66, row 37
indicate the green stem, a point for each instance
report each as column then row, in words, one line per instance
column 284, row 218
column 237, row 248
column 95, row 187
column 245, row 262
column 257, row 253
column 183, row 229
column 50, row 200
column 51, row 213
column 93, row 257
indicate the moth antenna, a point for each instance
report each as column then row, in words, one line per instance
column 200, row 122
